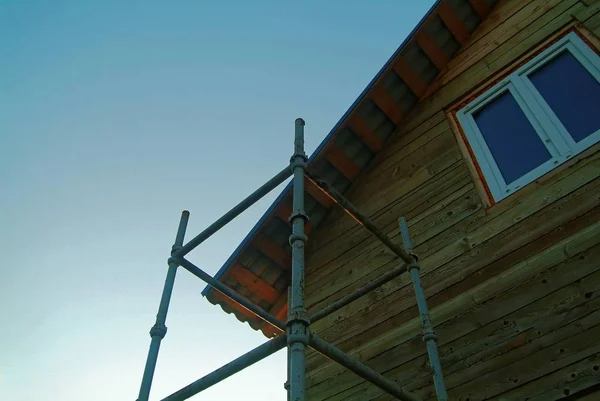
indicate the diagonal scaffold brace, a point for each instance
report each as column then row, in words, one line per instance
column 295, row 333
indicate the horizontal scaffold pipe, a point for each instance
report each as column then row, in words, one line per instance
column 231, row 294
column 235, row 211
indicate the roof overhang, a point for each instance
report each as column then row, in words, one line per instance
column 259, row 267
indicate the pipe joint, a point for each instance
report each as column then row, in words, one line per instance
column 298, row 316
column 429, row 335
column 298, row 237
column 298, row 327
column 158, row 330
column 299, row 160
column 413, row 265
column 175, row 248
column 299, row 214
column 302, row 338
column 173, row 260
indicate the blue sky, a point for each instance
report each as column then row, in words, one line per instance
column 114, row 117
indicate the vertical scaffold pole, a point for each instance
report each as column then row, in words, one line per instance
column 429, row 336
column 159, row 330
column 286, row 385
column 298, row 321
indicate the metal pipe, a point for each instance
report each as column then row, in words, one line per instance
column 231, row 294
column 429, row 335
column 257, row 354
column 395, row 272
column 286, row 385
column 298, row 323
column 159, row 330
column 360, row 369
column 234, row 212
column 359, row 217
column 405, row 234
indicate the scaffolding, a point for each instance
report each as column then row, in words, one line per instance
column 295, row 333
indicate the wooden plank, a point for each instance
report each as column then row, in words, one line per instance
column 506, row 29
column 504, row 54
column 339, row 254
column 454, row 23
column 527, row 290
column 321, row 197
column 405, row 352
column 432, row 281
column 253, row 283
column 468, row 245
column 342, row 163
column 468, row 273
column 284, row 211
column 580, row 240
column 593, row 22
column 365, row 252
column 513, row 337
column 544, row 216
column 546, row 321
column 406, row 142
column 510, row 338
column 591, row 396
column 395, row 176
column 361, row 242
column 365, row 133
column 348, row 279
column 410, row 77
column 472, row 249
column 432, row 50
column 458, row 202
column 579, row 346
column 326, row 260
column 499, row 15
column 410, row 171
column 572, row 379
column 279, row 309
column 381, row 318
column 273, row 251
column 481, row 8
column 519, row 347
column 401, row 148
column 434, row 301
column 588, row 12
column 383, row 100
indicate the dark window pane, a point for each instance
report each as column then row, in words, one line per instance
column 515, row 145
column 572, row 93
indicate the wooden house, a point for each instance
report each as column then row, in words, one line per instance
column 483, row 131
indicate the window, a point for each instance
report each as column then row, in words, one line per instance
column 536, row 118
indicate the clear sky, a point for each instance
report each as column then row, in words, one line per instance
column 117, row 115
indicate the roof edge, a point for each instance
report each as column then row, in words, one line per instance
column 321, row 146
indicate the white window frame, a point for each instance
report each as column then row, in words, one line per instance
column 546, row 124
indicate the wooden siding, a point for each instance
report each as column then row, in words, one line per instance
column 514, row 289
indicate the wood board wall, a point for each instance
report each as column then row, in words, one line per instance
column 514, row 289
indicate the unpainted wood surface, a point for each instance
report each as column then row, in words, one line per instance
column 514, row 289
